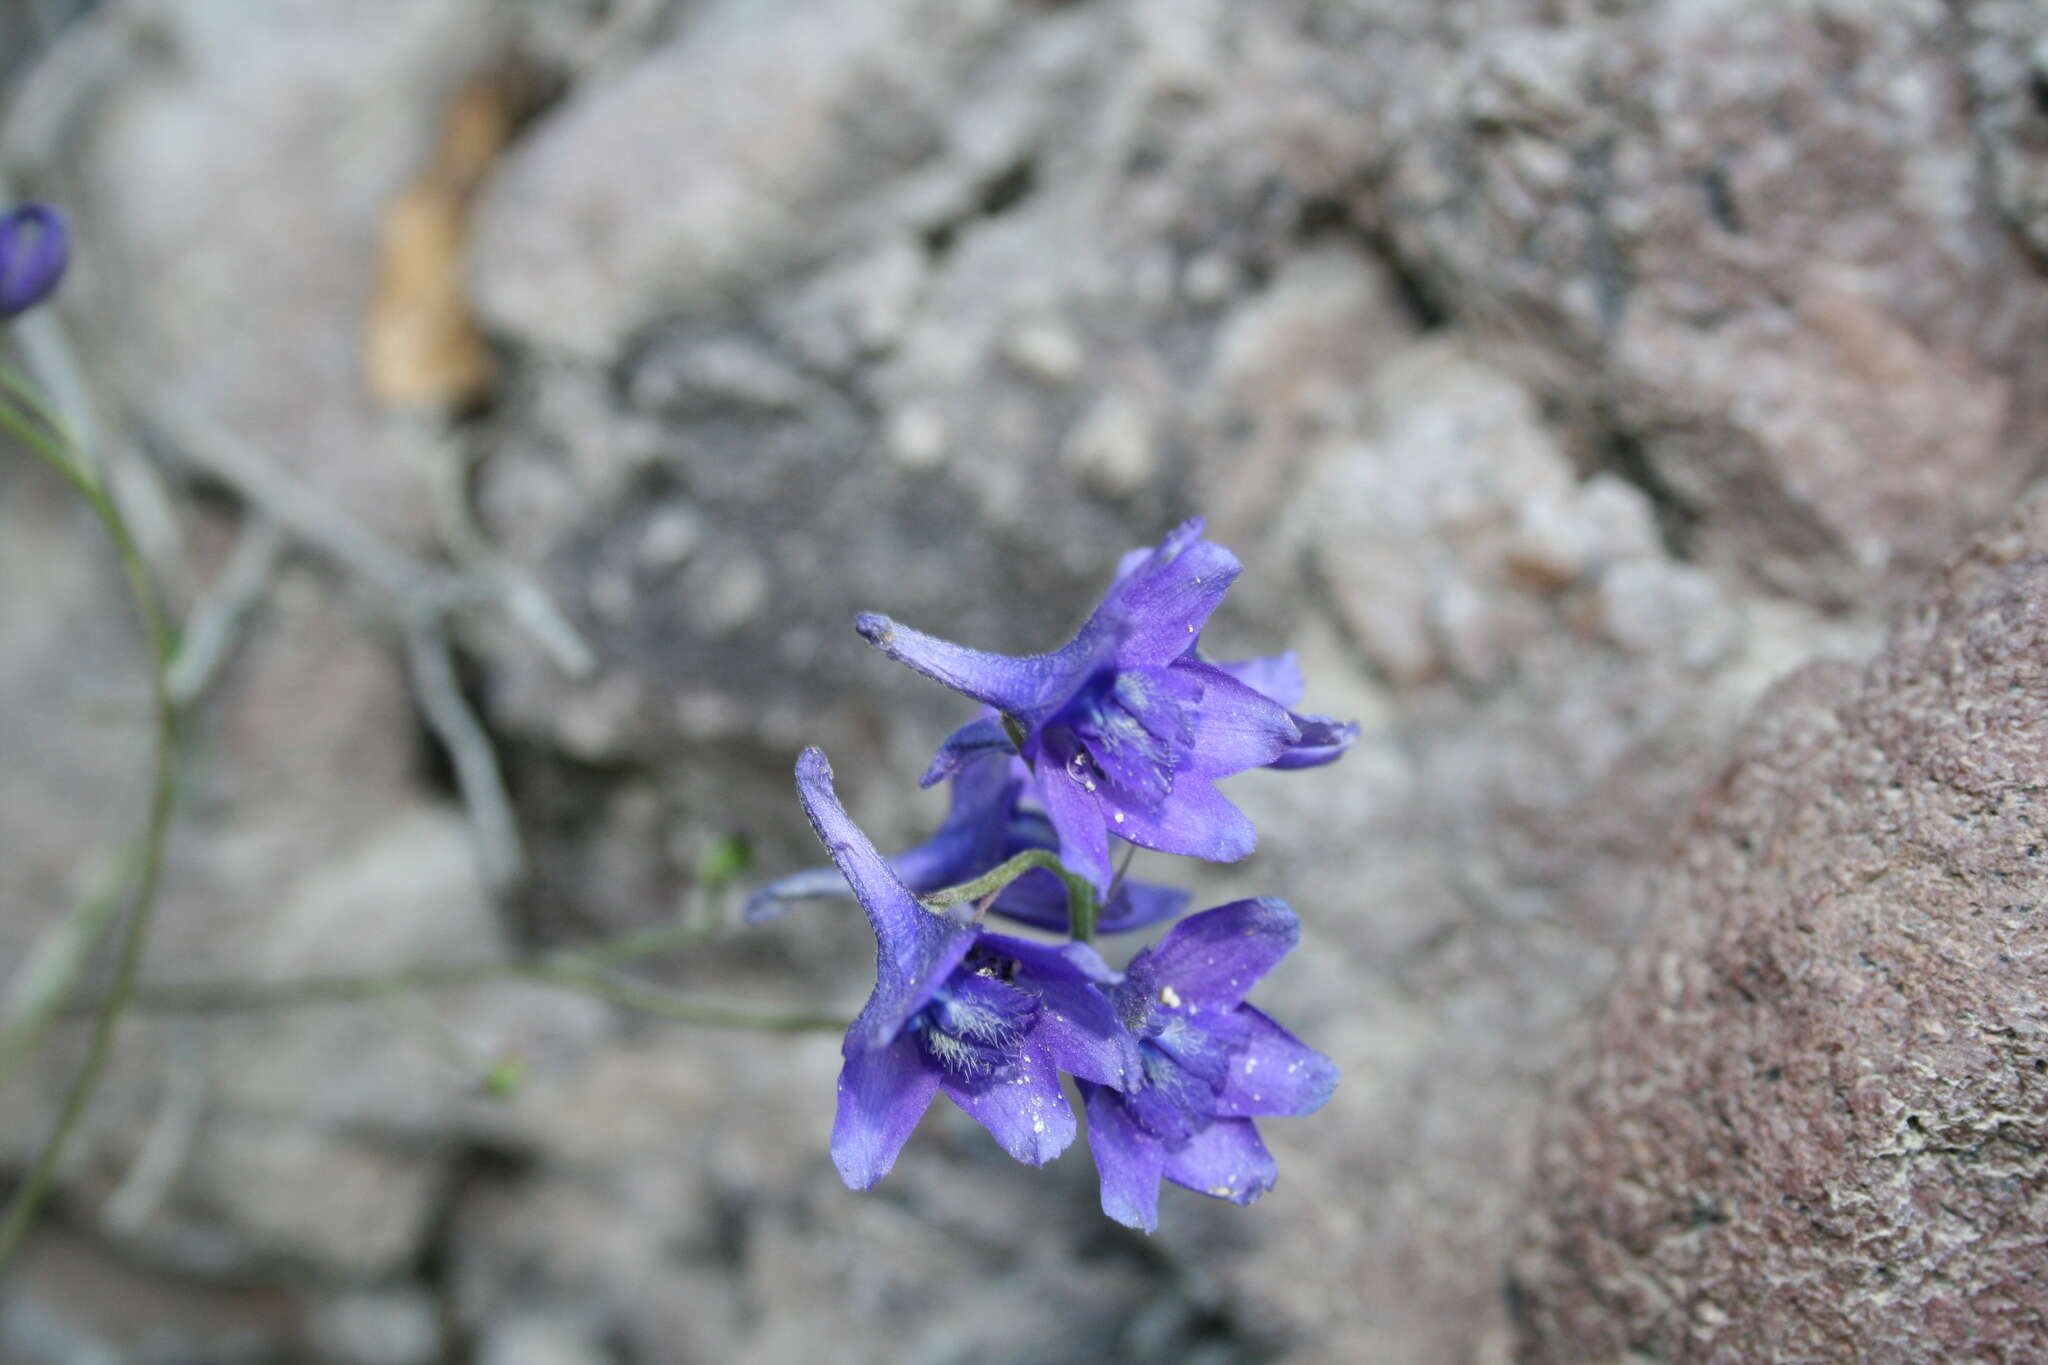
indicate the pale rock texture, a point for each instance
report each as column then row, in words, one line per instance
column 1758, row 242
column 243, row 162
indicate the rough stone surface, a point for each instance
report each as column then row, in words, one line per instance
column 1767, row 241
column 1816, row 1125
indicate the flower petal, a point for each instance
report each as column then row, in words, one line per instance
column 1136, row 733
column 1026, row 686
column 1022, row 1106
column 811, row 884
column 972, row 837
column 882, row 1095
column 1323, row 740
column 984, row 737
column 1137, row 904
column 1164, row 600
column 1038, row 898
column 1214, row 957
column 1236, row 727
column 1128, row 1160
column 1202, row 1040
column 968, row 843
column 1276, row 1073
column 915, row 948
column 1277, row 677
column 1076, row 1028
column 1195, row 820
column 1077, row 817
column 1226, row 1160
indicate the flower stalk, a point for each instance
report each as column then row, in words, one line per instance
column 22, row 417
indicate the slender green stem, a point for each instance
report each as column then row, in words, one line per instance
column 46, row 977
column 681, row 1008
column 1082, row 909
column 590, row 972
column 21, row 1210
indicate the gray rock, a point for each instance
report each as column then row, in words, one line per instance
column 378, row 1327
column 245, row 269
column 1760, row 245
column 2008, row 64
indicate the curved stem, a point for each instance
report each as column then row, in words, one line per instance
column 1082, row 907
column 587, row 971
column 21, row 1210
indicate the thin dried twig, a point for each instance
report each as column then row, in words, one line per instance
column 418, row 595
column 216, row 621
column 469, row 747
column 592, row 970
column 169, row 1145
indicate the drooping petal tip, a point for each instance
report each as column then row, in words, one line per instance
column 1276, row 1075
column 883, row 1092
column 877, row 629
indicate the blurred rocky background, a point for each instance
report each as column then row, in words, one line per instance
column 525, row 393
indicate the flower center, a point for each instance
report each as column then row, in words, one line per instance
column 976, row 1022
column 1126, row 733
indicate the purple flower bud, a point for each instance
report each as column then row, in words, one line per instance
column 34, row 248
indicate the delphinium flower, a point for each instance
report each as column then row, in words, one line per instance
column 1124, row 727
column 989, row 1019
column 1209, row 1065
column 994, row 815
column 1122, row 731
column 34, row 249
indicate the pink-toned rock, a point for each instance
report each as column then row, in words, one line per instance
column 1815, row 1126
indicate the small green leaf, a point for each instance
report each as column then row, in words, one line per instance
column 726, row 859
column 505, row 1078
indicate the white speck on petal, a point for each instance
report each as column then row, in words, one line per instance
column 1251, row 1064
column 1119, row 817
column 1220, row 1191
column 1169, row 997
column 1038, row 1125
column 1091, row 787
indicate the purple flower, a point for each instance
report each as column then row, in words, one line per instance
column 989, row 822
column 1124, row 727
column 1322, row 739
column 33, row 250
column 1209, row 1064
column 988, row 1019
